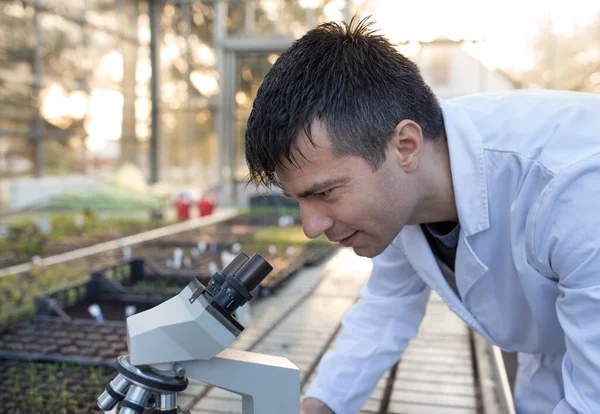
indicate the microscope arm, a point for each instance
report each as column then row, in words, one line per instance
column 267, row 384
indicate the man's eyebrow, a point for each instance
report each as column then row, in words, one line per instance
column 319, row 187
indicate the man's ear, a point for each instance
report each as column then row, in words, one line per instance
column 406, row 144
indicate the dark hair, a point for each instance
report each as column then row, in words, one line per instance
column 353, row 80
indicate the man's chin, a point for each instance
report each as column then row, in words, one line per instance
column 367, row 251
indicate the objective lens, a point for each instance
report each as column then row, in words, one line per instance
column 135, row 402
column 167, row 402
column 114, row 392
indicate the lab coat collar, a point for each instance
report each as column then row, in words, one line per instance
column 467, row 168
column 469, row 268
column 470, row 193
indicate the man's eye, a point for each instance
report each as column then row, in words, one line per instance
column 323, row 194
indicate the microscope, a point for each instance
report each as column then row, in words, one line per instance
column 187, row 337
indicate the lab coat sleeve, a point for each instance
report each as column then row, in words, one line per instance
column 568, row 241
column 374, row 333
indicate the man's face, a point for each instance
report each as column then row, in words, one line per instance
column 342, row 197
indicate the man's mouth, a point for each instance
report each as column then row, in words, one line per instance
column 347, row 241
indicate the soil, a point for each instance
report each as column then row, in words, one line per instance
column 34, row 387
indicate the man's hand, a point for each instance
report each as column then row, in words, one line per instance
column 314, row 406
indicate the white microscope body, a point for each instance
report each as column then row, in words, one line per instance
column 187, row 337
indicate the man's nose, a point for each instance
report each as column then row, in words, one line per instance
column 314, row 222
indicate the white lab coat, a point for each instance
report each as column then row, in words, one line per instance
column 526, row 173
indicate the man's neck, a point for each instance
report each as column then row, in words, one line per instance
column 437, row 203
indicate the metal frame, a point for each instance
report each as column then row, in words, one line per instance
column 227, row 49
column 38, row 69
column 495, row 390
column 154, row 16
column 218, row 216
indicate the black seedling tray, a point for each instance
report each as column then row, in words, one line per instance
column 51, row 338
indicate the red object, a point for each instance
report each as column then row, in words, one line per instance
column 205, row 206
column 182, row 205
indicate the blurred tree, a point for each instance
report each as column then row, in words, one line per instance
column 569, row 61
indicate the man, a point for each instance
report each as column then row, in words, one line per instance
column 490, row 200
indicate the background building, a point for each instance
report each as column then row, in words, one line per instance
column 87, row 86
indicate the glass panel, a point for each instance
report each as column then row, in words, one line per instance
column 189, row 147
column 98, row 13
column 104, row 118
column 172, row 151
column 143, row 158
column 103, row 13
column 62, row 48
column 17, row 38
column 266, row 17
column 64, row 7
column 64, row 156
column 329, row 10
column 81, row 95
column 63, row 110
column 143, row 102
column 143, row 24
column 203, row 76
column 296, row 16
column 173, row 57
column 254, row 17
column 129, row 84
column 103, row 59
column 236, row 18
column 288, row 17
column 16, row 157
column 99, row 157
column 250, row 72
column 143, row 74
column 240, row 172
column 203, row 21
column 96, row 115
column 438, row 59
column 204, row 151
column 132, row 11
column 16, row 106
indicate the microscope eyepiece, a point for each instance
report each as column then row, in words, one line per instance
column 232, row 289
column 218, row 279
column 253, row 272
column 236, row 264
